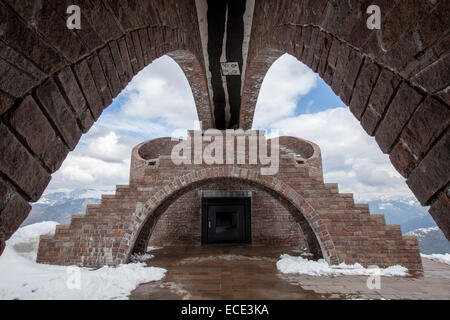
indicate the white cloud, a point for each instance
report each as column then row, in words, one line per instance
column 351, row 158
column 285, row 83
column 159, row 100
column 101, row 161
column 156, row 102
column 161, row 92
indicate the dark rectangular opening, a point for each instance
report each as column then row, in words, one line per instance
column 226, row 220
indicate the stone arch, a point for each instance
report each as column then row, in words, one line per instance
column 394, row 80
column 269, row 215
column 145, row 219
column 64, row 79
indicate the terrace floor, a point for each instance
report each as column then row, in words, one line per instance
column 249, row 272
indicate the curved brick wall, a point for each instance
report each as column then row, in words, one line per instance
column 56, row 82
column 395, row 80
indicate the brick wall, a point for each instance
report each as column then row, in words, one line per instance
column 56, row 82
column 395, row 80
column 271, row 223
column 333, row 226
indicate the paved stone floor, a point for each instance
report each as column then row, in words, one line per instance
column 249, row 272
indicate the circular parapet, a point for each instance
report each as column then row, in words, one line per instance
column 304, row 152
column 152, row 149
column 146, row 155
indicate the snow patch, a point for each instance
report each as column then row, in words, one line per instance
column 22, row 278
column 299, row 265
column 139, row 257
column 25, row 241
column 442, row 258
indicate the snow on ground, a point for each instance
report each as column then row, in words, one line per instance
column 141, row 257
column 22, row 278
column 299, row 265
column 442, row 258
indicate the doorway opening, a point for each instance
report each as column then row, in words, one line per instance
column 226, row 220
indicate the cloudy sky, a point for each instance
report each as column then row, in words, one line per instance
column 293, row 99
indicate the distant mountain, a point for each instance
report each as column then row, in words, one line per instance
column 431, row 240
column 409, row 214
column 61, row 205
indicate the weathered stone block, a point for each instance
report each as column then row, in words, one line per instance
column 403, row 51
column 75, row 96
column 125, row 59
column 117, row 58
column 428, row 122
column 20, row 166
column 402, row 159
column 379, row 99
column 98, row 15
column 24, row 40
column 145, row 45
column 354, row 64
column 51, row 24
column 440, row 213
column 340, row 71
column 51, row 99
column 13, row 214
column 138, row 49
column 400, row 19
column 20, row 62
column 88, row 86
column 5, row 102
column 397, row 115
column 22, row 82
column 110, row 71
column 433, row 172
column 29, row 121
column 132, row 53
column 363, row 88
column 436, row 76
column 100, row 80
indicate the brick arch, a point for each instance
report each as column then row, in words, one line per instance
column 395, row 80
column 144, row 220
column 56, row 82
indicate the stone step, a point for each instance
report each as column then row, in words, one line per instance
column 379, row 218
column 333, row 187
column 395, row 229
column 62, row 229
column 363, row 206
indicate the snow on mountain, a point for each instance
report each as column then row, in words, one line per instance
column 431, row 240
column 22, row 278
column 422, row 232
column 60, row 205
column 408, row 213
column 58, row 196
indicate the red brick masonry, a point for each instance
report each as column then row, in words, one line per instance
column 161, row 198
column 56, row 82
